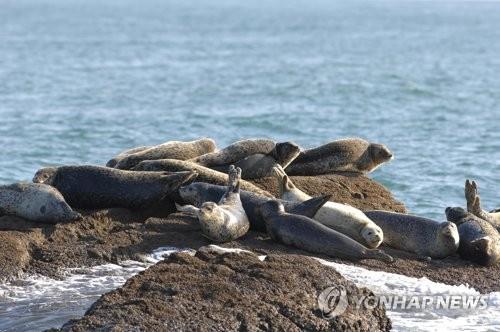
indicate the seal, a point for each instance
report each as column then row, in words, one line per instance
column 226, row 220
column 425, row 237
column 307, row 234
column 197, row 193
column 205, row 174
column 343, row 218
column 97, row 187
column 479, row 240
column 345, row 155
column 36, row 202
column 474, row 205
column 169, row 150
column 235, row 152
column 123, row 154
column 260, row 165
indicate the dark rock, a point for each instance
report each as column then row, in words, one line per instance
column 229, row 292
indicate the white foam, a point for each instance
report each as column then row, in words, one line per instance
column 384, row 283
column 38, row 302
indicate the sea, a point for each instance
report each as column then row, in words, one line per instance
column 81, row 80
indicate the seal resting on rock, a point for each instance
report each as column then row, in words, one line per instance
column 197, row 193
column 307, row 234
column 341, row 217
column 97, row 187
column 123, row 154
column 425, row 237
column 204, row 174
column 260, row 165
column 226, row 220
column 169, row 150
column 474, row 205
column 238, row 151
column 479, row 240
column 345, row 155
column 36, row 202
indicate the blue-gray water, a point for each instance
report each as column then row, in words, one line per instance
column 82, row 80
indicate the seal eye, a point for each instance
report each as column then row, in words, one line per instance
column 43, row 209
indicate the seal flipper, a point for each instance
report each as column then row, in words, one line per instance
column 310, row 207
column 175, row 180
column 379, row 255
column 187, row 209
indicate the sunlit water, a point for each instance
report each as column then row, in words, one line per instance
column 83, row 80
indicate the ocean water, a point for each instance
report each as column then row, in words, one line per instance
column 83, row 80
column 36, row 303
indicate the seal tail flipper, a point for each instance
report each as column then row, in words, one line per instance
column 310, row 207
column 175, row 180
column 379, row 255
column 187, row 208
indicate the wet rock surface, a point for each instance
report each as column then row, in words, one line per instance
column 235, row 292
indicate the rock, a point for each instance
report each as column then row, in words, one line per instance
column 349, row 188
column 229, row 292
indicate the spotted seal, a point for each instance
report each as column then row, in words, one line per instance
column 112, row 162
column 343, row 218
column 169, row 150
column 205, row 174
column 345, row 155
column 36, row 202
column 424, row 237
column 260, row 165
column 308, row 234
column 197, row 193
column 474, row 205
column 479, row 240
column 226, row 220
column 94, row 187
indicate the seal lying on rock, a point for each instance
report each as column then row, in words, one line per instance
column 123, row 154
column 346, row 155
column 341, row 217
column 425, row 237
column 224, row 221
column 260, row 165
column 238, row 151
column 36, row 202
column 96, row 187
column 169, row 150
column 197, row 193
column 479, row 240
column 474, row 205
column 204, row 174
column 308, row 234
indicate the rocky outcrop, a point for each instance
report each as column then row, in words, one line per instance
column 349, row 188
column 230, row 292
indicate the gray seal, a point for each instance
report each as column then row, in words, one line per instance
column 36, row 202
column 96, row 187
column 345, row 155
column 425, row 237
column 474, row 205
column 479, row 240
column 204, row 174
column 260, row 165
column 226, row 220
column 123, row 154
column 343, row 218
column 197, row 193
column 169, row 150
column 307, row 234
